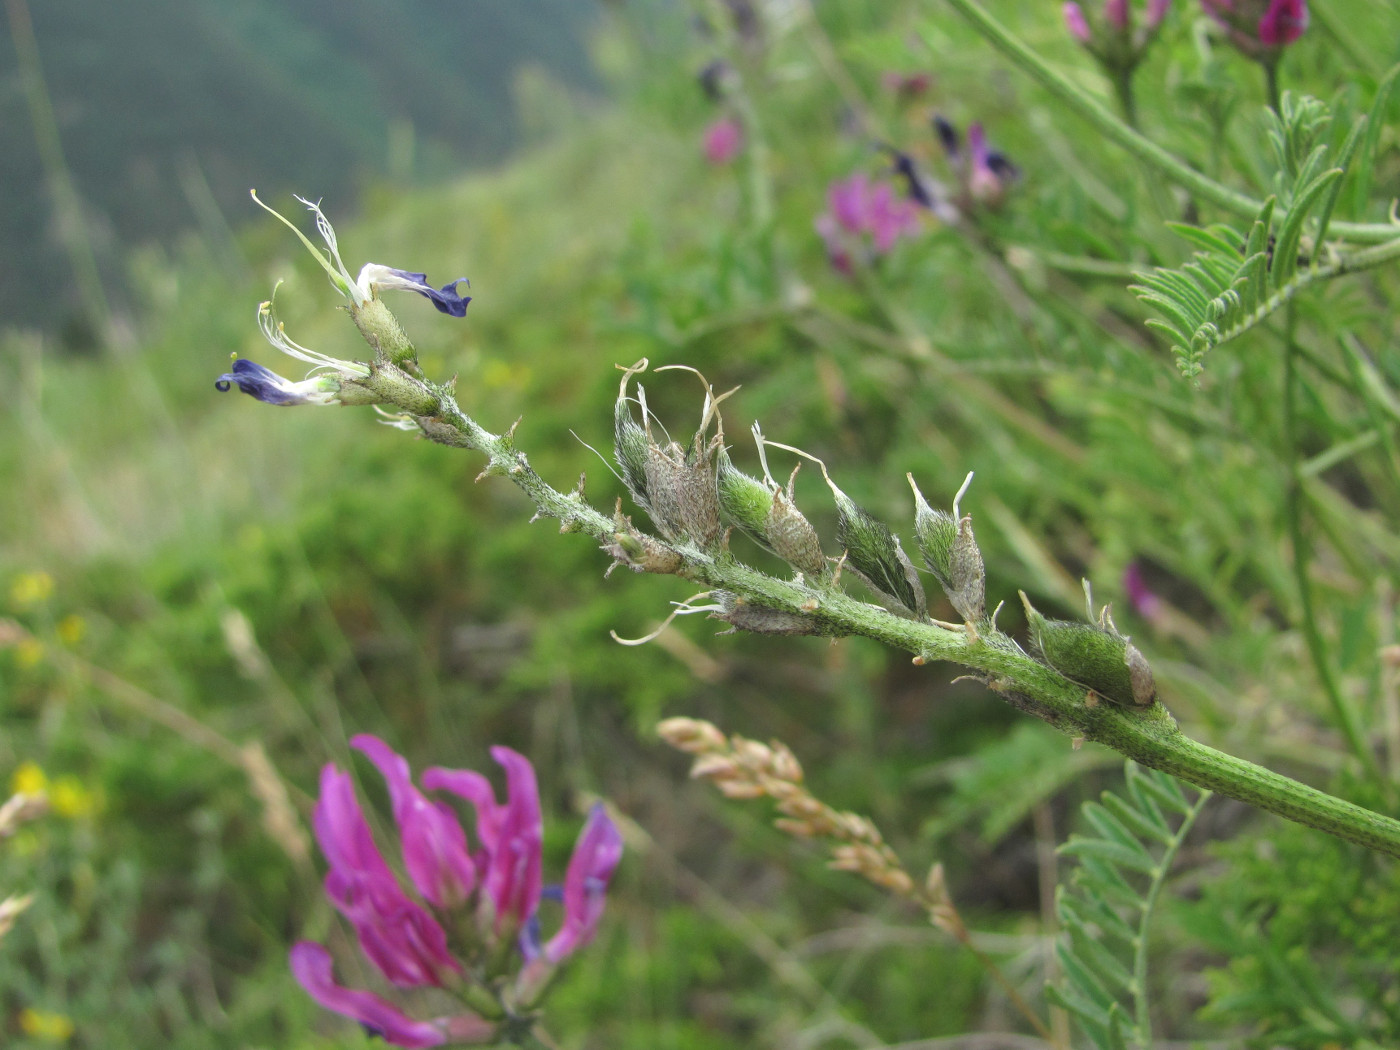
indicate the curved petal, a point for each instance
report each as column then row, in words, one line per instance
column 594, row 859
column 470, row 785
column 312, row 967
column 398, row 936
column 434, row 844
column 513, row 876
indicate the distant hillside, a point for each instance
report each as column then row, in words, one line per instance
column 155, row 99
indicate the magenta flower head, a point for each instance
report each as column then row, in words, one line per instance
column 723, row 141
column 1112, row 32
column 1260, row 29
column 865, row 219
column 486, row 897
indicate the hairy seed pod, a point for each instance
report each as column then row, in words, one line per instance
column 745, row 501
column 873, row 553
column 761, row 619
column 952, row 555
column 792, row 537
column 1095, row 657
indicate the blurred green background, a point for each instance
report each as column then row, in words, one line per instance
column 214, row 596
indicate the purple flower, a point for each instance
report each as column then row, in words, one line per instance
column 989, row 172
column 862, row 214
column 266, row 385
column 1143, row 600
column 723, row 141
column 434, row 844
column 490, row 895
column 1076, row 22
column 374, row 277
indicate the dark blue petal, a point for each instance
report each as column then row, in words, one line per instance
column 948, row 136
column 447, row 300
column 529, row 942
column 259, row 382
column 1000, row 166
column 913, row 179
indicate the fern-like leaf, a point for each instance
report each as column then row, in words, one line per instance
column 1108, row 905
column 1235, row 280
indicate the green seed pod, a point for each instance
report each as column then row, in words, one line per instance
column 873, row 553
column 745, row 501
column 1095, row 657
column 952, row 555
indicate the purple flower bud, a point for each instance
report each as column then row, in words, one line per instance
column 1156, row 11
column 1115, row 12
column 1259, row 28
column 723, row 141
column 1283, row 22
column 1077, row 24
column 434, row 844
column 596, row 854
column 313, row 969
column 1143, row 600
column 948, row 135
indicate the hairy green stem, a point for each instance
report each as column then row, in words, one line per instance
column 1090, row 109
column 1149, row 735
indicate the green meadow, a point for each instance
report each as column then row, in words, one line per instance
column 203, row 598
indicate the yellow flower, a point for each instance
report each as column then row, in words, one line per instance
column 28, row 779
column 29, row 652
column 53, row 1028
column 69, row 798
column 31, row 588
column 71, row 629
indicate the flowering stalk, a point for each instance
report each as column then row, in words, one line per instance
column 1109, row 34
column 679, row 488
column 1261, row 29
